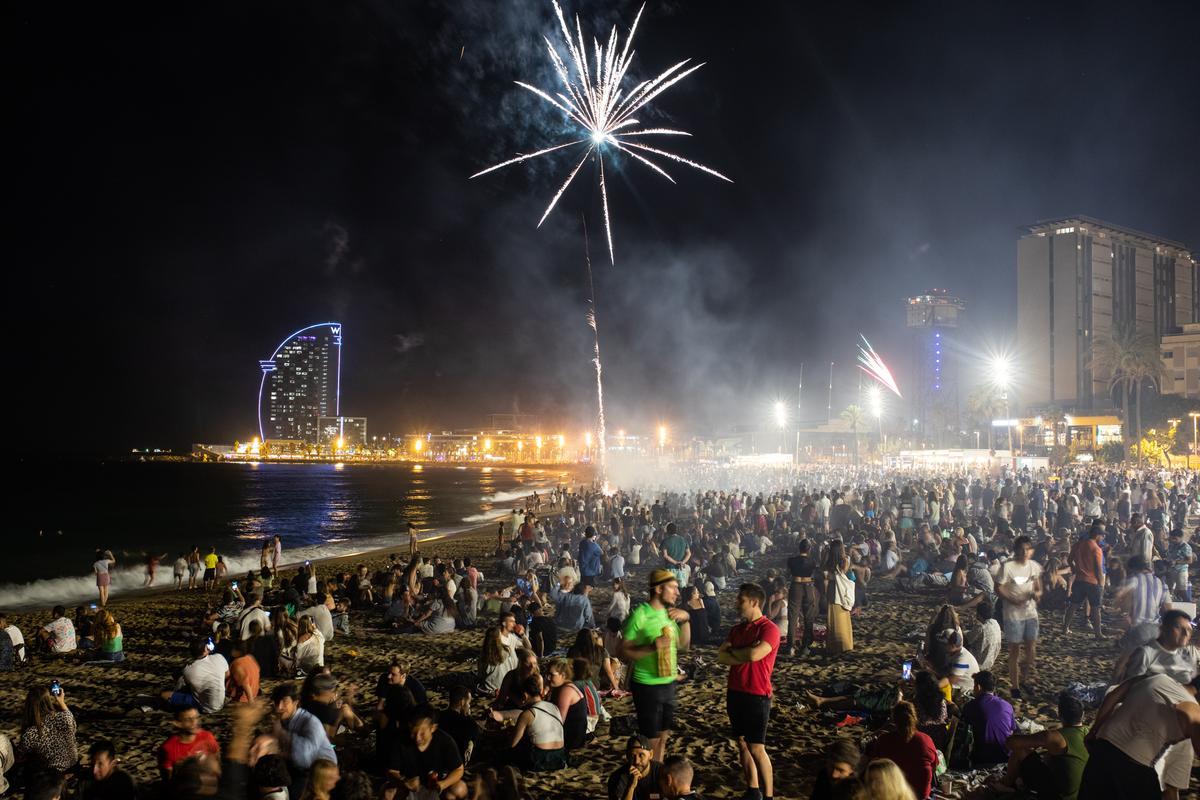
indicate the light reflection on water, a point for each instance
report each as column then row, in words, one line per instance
column 135, row 507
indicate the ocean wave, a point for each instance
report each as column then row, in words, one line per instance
column 78, row 589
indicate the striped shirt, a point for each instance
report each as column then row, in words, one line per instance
column 1147, row 594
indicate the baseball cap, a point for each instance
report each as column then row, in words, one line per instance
column 638, row 741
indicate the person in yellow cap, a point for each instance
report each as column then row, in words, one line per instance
column 655, row 633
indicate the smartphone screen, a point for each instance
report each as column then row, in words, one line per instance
column 906, row 670
column 209, row 644
column 55, row 688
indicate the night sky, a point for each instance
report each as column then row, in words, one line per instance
column 193, row 183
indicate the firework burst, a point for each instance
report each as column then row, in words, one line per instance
column 870, row 363
column 591, row 96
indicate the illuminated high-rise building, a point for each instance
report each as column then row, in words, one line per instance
column 933, row 319
column 1078, row 281
column 301, row 382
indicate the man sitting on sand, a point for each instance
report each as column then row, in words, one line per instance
column 58, row 635
column 429, row 761
column 639, row 777
column 676, row 779
column 1057, row 771
column 1169, row 654
column 837, row 777
column 107, row 780
column 202, row 685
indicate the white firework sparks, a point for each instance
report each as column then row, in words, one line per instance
column 592, row 98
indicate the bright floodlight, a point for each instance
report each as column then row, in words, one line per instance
column 662, row 435
column 1000, row 370
column 781, row 415
column 875, row 401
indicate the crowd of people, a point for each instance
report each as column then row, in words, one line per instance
column 607, row 595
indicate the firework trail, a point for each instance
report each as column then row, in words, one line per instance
column 870, row 363
column 597, row 103
column 602, row 453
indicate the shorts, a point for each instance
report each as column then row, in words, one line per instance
column 210, row 573
column 655, row 706
column 103, row 579
column 1085, row 591
column 193, row 569
column 182, row 699
column 1021, row 630
column 748, row 715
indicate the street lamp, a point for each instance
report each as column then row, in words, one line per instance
column 1000, row 372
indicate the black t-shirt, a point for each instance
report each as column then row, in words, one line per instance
column 543, row 635
column 441, row 756
column 647, row 788
column 328, row 713
column 801, row 566
column 118, row 786
column 461, row 728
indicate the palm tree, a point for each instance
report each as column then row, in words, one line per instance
column 1054, row 416
column 985, row 404
column 1145, row 366
column 853, row 416
column 1131, row 359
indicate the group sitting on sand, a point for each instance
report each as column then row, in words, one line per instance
column 596, row 615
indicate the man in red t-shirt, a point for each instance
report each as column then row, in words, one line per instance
column 750, row 654
column 1087, row 560
column 526, row 533
column 189, row 740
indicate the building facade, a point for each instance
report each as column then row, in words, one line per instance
column 301, row 382
column 1078, row 279
column 342, row 433
column 932, row 320
column 1181, row 355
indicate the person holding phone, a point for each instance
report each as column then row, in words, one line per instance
column 1020, row 584
column 48, row 729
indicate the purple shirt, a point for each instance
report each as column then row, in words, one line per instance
column 991, row 721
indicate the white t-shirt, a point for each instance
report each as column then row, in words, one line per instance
column 248, row 617
column 14, row 633
column 1145, row 725
column 180, row 566
column 1153, row 659
column 1019, row 579
column 963, row 669
column 102, row 566
column 619, row 607
column 890, row 560
column 205, row 678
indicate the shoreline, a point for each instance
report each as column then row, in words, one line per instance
column 160, row 588
column 128, row 574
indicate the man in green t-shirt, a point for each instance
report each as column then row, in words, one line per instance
column 654, row 625
column 676, row 553
column 1058, row 771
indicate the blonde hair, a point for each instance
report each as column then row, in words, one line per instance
column 105, row 629
column 883, row 780
column 322, row 769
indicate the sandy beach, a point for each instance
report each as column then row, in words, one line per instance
column 155, row 627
